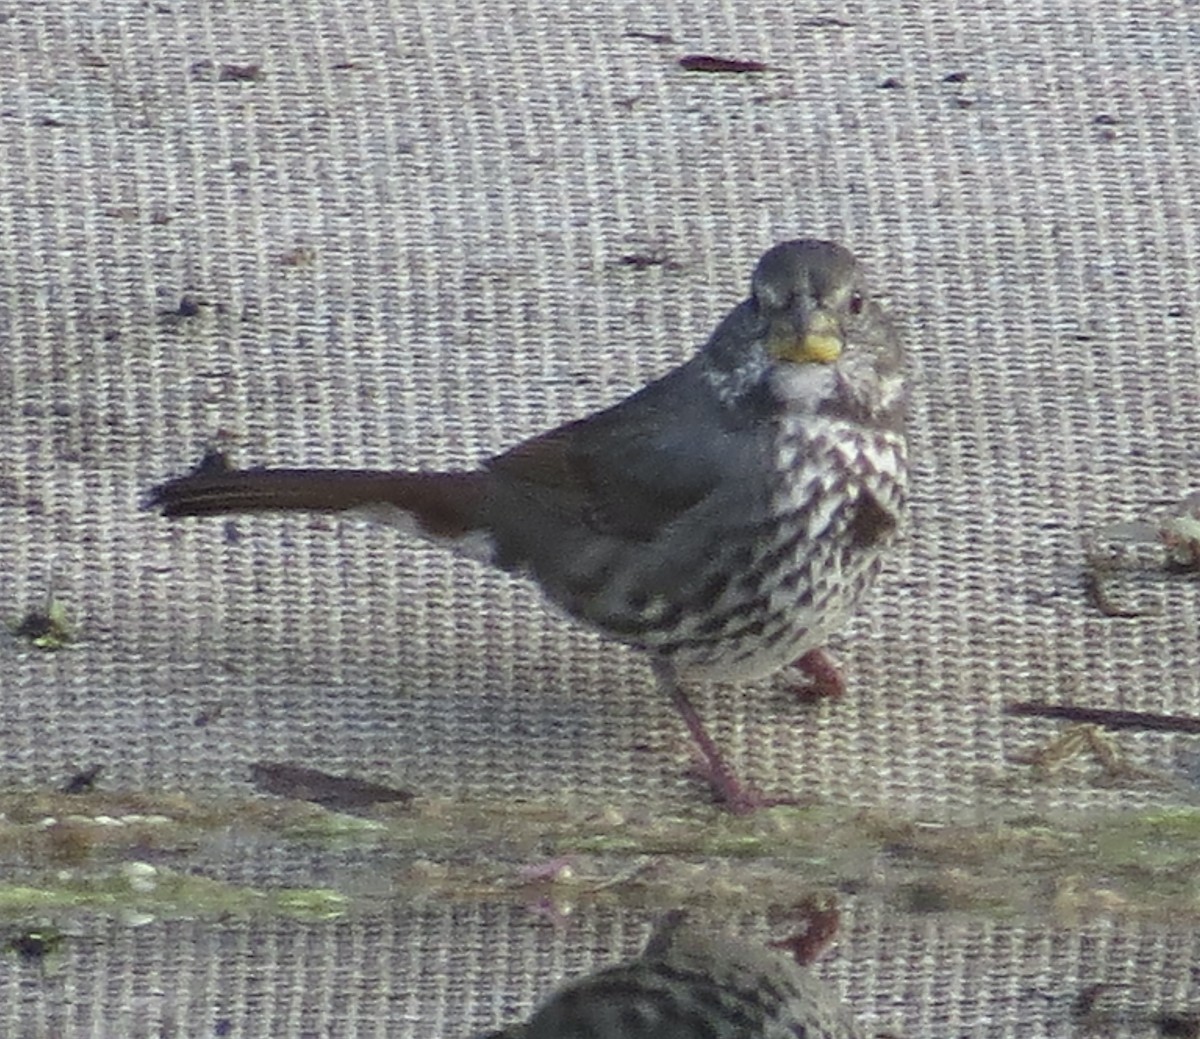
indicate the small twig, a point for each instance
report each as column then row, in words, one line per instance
column 1145, row 721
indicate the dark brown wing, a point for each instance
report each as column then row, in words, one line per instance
column 634, row 468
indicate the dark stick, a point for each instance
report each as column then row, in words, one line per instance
column 1110, row 719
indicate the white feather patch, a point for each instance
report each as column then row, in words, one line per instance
column 476, row 544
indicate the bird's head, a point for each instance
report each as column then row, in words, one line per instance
column 810, row 337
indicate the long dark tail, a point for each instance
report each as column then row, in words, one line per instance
column 443, row 504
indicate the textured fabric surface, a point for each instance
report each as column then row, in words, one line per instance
column 413, row 232
column 438, row 972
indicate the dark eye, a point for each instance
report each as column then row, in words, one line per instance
column 856, row 304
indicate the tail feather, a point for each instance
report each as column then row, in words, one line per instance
column 443, row 504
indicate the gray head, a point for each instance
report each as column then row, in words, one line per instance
column 811, row 336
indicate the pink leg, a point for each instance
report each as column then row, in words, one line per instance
column 825, row 681
column 740, row 798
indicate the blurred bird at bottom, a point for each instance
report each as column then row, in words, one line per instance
column 692, row 982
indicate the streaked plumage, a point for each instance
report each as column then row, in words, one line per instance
column 725, row 519
column 692, row 983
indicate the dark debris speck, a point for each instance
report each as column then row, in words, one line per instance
column 83, row 782
column 34, row 945
column 1178, row 1026
column 233, row 73
column 650, row 37
column 712, row 63
column 339, row 793
column 644, row 261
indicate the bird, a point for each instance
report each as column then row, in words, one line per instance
column 692, row 982
column 725, row 519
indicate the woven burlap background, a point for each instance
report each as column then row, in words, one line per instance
column 411, row 232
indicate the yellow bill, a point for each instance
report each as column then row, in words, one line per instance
column 821, row 342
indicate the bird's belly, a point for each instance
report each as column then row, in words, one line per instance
column 796, row 609
column 807, row 569
column 746, row 587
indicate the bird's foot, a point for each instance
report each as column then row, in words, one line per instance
column 817, row 920
column 738, row 797
column 822, row 677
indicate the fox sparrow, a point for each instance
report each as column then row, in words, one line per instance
column 690, row 983
column 725, row 519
